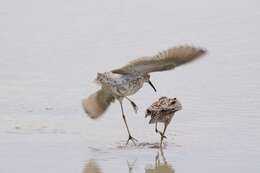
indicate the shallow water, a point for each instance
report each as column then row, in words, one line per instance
column 50, row 52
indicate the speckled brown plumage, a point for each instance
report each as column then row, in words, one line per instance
column 162, row 111
column 129, row 79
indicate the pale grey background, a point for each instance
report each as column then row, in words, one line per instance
column 51, row 50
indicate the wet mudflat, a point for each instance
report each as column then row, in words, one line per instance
column 51, row 51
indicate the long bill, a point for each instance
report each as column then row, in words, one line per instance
column 152, row 85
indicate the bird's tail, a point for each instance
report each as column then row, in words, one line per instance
column 97, row 103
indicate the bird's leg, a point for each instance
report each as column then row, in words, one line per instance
column 156, row 130
column 124, row 118
column 133, row 104
column 162, row 133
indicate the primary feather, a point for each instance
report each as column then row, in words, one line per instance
column 165, row 60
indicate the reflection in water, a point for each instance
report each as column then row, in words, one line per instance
column 130, row 166
column 159, row 167
column 92, row 167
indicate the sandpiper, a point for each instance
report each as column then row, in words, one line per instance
column 123, row 82
column 162, row 111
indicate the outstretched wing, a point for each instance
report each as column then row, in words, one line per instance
column 165, row 60
column 97, row 103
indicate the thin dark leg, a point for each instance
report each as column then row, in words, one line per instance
column 124, row 118
column 133, row 104
column 162, row 133
column 156, row 130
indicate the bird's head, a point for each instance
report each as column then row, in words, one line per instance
column 148, row 112
column 175, row 104
column 100, row 78
column 146, row 77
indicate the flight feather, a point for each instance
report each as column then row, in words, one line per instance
column 165, row 60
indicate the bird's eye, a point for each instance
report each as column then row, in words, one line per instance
column 173, row 102
column 148, row 111
column 174, row 99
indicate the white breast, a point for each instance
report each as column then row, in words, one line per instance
column 125, row 85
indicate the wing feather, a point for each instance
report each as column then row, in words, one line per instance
column 165, row 60
column 97, row 103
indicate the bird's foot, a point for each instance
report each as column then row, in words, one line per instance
column 162, row 135
column 130, row 138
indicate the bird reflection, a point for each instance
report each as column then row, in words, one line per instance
column 160, row 167
column 130, row 166
column 92, row 167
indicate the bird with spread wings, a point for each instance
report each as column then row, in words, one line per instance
column 127, row 80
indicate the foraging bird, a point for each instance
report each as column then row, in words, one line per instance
column 162, row 111
column 127, row 80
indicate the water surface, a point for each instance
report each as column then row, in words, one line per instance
column 50, row 53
